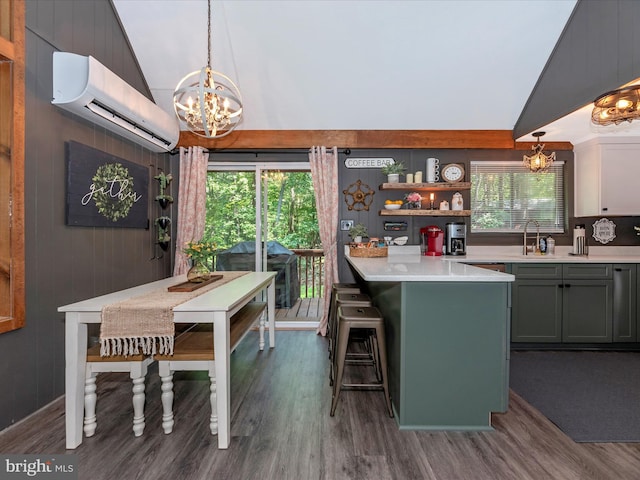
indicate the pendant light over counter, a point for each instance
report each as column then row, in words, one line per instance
column 539, row 162
column 617, row 106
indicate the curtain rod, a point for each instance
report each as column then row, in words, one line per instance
column 345, row 151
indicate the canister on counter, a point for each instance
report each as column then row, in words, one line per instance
column 551, row 245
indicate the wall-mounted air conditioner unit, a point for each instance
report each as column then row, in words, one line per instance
column 84, row 86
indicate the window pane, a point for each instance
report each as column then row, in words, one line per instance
column 504, row 196
column 231, row 208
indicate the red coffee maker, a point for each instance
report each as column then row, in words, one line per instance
column 431, row 240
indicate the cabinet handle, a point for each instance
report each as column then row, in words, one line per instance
column 560, row 285
column 618, row 269
column 567, row 285
column 605, row 209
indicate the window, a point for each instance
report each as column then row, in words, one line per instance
column 504, row 196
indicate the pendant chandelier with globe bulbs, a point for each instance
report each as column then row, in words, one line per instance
column 207, row 102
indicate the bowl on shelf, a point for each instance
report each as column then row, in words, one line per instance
column 400, row 240
column 392, row 206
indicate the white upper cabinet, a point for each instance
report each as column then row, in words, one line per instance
column 607, row 177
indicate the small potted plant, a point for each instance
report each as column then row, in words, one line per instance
column 357, row 232
column 164, row 237
column 393, row 171
column 164, row 180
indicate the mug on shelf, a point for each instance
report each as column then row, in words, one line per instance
column 433, row 170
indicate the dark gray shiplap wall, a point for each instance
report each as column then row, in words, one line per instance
column 414, row 160
column 67, row 264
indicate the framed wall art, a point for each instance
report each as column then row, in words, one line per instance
column 104, row 190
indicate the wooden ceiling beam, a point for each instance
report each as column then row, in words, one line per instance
column 441, row 139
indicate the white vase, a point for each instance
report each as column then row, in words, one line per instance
column 357, row 239
column 393, row 178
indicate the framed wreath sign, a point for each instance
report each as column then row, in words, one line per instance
column 104, row 190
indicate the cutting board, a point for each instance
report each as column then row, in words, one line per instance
column 191, row 286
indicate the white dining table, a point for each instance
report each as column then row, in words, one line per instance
column 215, row 306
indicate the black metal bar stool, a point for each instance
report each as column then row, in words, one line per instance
column 353, row 318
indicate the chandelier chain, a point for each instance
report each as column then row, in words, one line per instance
column 209, row 34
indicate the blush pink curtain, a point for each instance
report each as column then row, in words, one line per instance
column 192, row 200
column 324, row 173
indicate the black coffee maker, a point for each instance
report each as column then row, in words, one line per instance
column 456, row 238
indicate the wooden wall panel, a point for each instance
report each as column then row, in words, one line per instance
column 6, row 121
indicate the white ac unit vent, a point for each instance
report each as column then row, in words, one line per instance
column 84, row 86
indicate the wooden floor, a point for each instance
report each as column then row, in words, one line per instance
column 281, row 429
column 303, row 309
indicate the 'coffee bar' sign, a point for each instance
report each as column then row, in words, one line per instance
column 367, row 162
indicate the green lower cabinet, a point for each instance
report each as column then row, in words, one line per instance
column 624, row 302
column 536, row 311
column 587, row 303
column 587, row 311
column 574, row 303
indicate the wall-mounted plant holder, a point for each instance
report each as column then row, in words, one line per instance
column 164, row 180
column 164, row 230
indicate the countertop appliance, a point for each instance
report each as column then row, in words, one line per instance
column 431, row 240
column 456, row 238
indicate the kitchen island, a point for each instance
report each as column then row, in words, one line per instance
column 447, row 331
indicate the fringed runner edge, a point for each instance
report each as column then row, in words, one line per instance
column 127, row 346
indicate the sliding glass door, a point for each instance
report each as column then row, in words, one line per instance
column 262, row 217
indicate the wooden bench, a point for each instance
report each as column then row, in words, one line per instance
column 193, row 351
column 135, row 365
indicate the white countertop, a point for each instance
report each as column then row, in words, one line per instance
column 513, row 254
column 418, row 268
column 405, row 264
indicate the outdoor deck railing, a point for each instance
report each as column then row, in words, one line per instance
column 310, row 272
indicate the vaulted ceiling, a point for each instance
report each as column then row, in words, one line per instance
column 356, row 64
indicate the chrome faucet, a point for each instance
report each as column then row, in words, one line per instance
column 524, row 240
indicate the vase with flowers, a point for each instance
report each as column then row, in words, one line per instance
column 199, row 253
column 413, row 200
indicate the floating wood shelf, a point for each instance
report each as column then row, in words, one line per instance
column 426, row 213
column 426, row 186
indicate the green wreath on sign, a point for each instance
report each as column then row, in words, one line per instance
column 114, row 195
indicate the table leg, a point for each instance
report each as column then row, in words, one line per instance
column 271, row 311
column 221, row 343
column 261, row 323
column 75, row 365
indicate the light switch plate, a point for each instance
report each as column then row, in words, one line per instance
column 346, row 225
